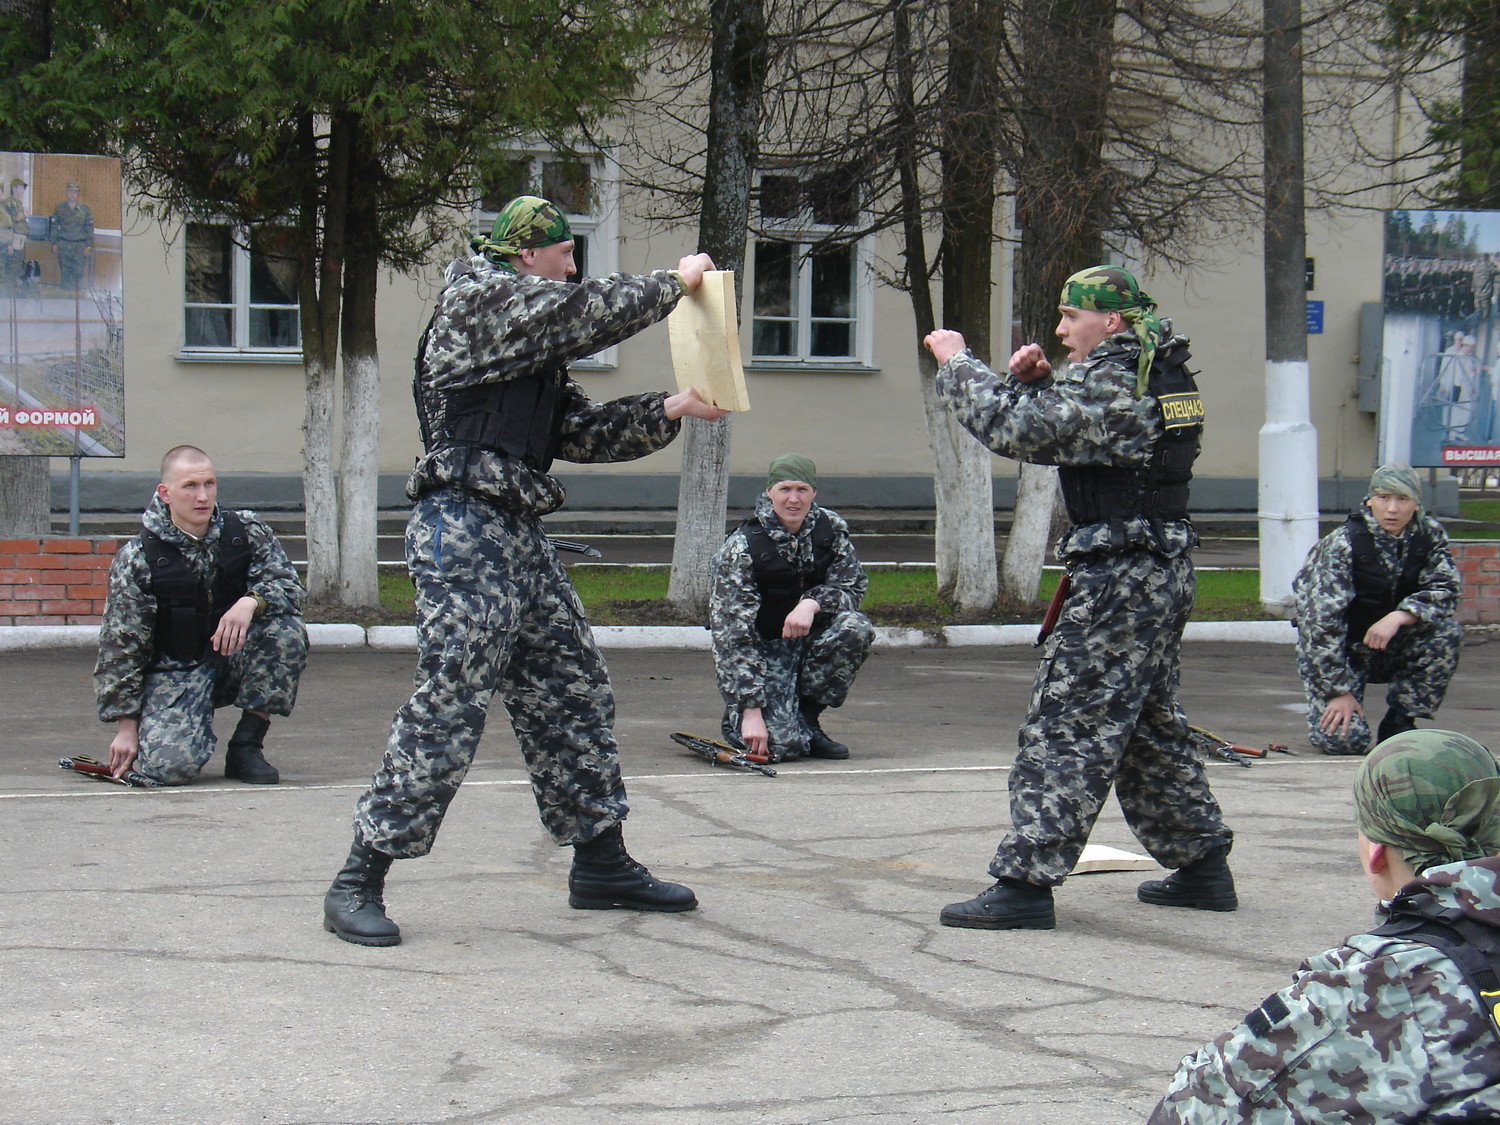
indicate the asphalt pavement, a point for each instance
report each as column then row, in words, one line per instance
column 164, row 960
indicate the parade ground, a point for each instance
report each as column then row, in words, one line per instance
column 164, row 959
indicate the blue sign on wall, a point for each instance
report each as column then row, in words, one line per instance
column 1314, row 318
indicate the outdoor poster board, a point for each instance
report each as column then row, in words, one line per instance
column 705, row 337
column 1440, row 340
column 62, row 339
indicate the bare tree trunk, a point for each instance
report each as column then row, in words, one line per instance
column 319, row 290
column 1037, row 495
column 740, row 56
column 359, row 584
column 26, row 482
column 1288, row 505
column 963, row 485
column 25, row 497
column 1061, row 194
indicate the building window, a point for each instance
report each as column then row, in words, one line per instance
column 586, row 190
column 240, row 292
column 808, row 290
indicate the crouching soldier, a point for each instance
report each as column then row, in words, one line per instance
column 1375, row 602
column 788, row 636
column 203, row 611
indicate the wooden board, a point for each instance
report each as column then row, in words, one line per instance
column 705, row 335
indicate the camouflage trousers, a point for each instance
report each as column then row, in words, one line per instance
column 1104, row 711
column 819, row 668
column 177, row 705
column 71, row 262
column 1418, row 665
column 496, row 616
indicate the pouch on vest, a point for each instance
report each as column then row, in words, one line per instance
column 782, row 585
column 1375, row 592
column 187, row 608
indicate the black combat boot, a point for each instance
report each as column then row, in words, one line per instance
column 1009, row 905
column 605, row 877
column 245, row 758
column 354, row 908
column 820, row 745
column 1204, row 884
column 1396, row 722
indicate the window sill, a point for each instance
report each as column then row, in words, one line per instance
column 810, row 367
column 245, row 356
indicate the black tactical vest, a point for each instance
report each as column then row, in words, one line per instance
column 1157, row 490
column 188, row 609
column 517, row 418
column 781, row 584
column 1471, row 945
column 1376, row 593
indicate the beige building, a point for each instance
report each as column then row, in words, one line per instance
column 830, row 357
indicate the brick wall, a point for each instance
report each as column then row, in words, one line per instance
column 54, row 581
column 1479, row 562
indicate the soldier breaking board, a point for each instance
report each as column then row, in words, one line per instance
column 705, row 334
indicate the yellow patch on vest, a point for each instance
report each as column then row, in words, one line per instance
column 1180, row 411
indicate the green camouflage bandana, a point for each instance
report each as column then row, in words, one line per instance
column 1396, row 479
column 1114, row 289
column 1434, row 794
column 792, row 466
column 525, row 223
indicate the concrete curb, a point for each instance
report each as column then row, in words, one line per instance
column 403, row 638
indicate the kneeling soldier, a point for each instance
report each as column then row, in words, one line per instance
column 203, row 611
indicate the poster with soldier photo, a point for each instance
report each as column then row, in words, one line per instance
column 1440, row 354
column 62, row 341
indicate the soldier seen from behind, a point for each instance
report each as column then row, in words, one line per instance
column 203, row 611
column 1398, row 1024
column 1122, row 422
column 498, row 619
column 1375, row 603
column 788, row 637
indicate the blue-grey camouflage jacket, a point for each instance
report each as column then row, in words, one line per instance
column 127, row 649
column 1085, row 414
column 734, row 600
column 1378, row 1030
column 492, row 324
column 1324, row 588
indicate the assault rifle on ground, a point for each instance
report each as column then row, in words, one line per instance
column 720, row 754
column 100, row 771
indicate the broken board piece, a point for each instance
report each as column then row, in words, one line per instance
column 1102, row 857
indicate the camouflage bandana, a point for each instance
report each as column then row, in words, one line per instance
column 1396, row 479
column 1434, row 794
column 1114, row 289
column 792, row 466
column 525, row 223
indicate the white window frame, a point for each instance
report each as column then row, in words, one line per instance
column 239, row 305
column 601, row 228
column 803, row 232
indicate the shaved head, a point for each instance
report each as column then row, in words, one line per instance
column 189, row 453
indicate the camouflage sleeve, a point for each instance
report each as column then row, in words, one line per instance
column 845, row 586
column 620, row 430
column 1439, row 581
column 1357, row 1037
column 1321, row 593
column 126, row 644
column 486, row 331
column 733, row 602
column 1086, row 415
column 272, row 577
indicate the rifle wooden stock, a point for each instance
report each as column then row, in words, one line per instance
column 1054, row 608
